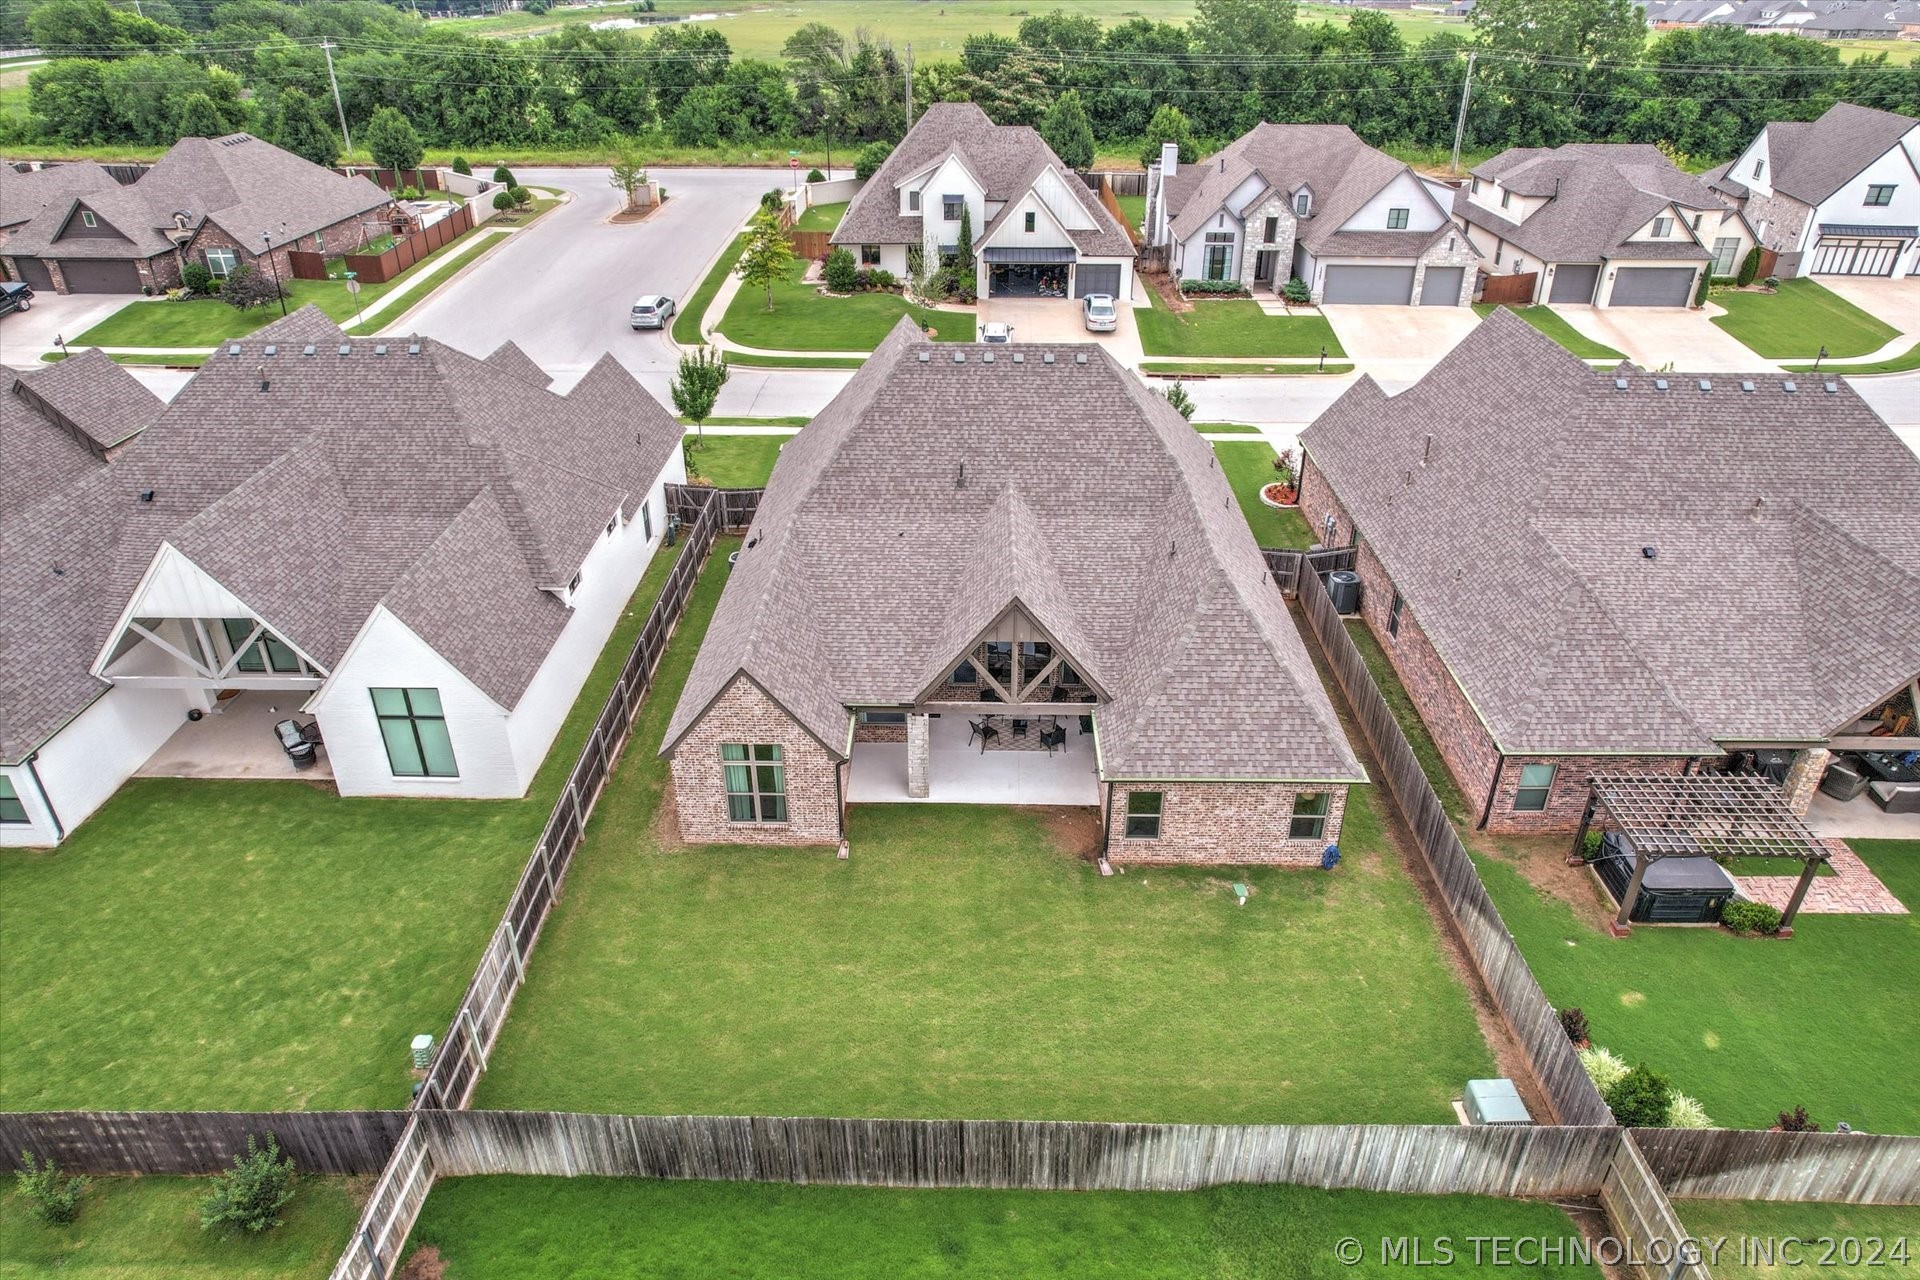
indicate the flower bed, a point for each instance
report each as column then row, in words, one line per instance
column 1214, row 289
column 1280, row 495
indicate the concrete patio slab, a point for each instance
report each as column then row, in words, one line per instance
column 236, row 742
column 963, row 774
column 1859, row 818
column 1661, row 337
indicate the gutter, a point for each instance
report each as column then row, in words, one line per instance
column 1499, row 766
column 59, row 827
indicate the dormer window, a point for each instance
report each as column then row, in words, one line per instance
column 1662, row 228
column 1476, row 186
column 913, row 202
column 1030, row 221
column 1303, row 203
column 1506, row 199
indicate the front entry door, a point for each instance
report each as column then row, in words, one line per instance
column 1263, row 264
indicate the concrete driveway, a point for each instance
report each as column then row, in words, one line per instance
column 24, row 335
column 1060, row 320
column 1659, row 337
column 1895, row 301
column 1399, row 342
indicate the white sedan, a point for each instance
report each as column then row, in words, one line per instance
column 1101, row 313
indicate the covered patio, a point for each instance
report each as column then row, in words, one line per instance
column 961, row 770
column 1699, row 816
column 236, row 739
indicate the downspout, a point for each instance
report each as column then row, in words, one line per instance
column 1106, row 824
column 59, row 828
column 1486, row 811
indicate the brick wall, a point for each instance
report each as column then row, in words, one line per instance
column 332, row 241
column 742, row 713
column 1254, row 242
column 879, row 733
column 1225, row 823
column 1567, row 799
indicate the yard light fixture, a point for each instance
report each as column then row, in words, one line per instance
column 1323, row 358
column 266, row 241
column 1822, row 356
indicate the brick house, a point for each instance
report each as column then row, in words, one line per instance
column 1575, row 570
column 225, row 203
column 942, row 600
column 1310, row 201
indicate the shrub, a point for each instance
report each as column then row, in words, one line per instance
column 842, row 274
column 1640, row 1099
column 1602, row 1066
column 247, row 288
column 195, row 278
column 1700, row 290
column 814, row 175
column 1687, row 1113
column 503, row 176
column 1295, row 291
column 1182, row 402
column 1772, row 282
column 503, row 200
column 1574, row 1023
column 1212, row 286
column 879, row 278
column 521, row 197
column 460, row 166
column 773, row 201
column 1590, row 845
column 871, row 157
column 55, row 1198
column 250, row 1196
column 1795, row 1121
column 1750, row 917
column 1749, row 267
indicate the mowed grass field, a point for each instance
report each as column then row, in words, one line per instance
column 1834, row 1241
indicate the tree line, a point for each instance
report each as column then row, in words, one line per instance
column 1544, row 72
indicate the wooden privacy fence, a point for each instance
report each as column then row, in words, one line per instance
column 1285, row 565
column 378, row 268
column 1752, row 1164
column 1495, row 955
column 1108, row 199
column 462, row 1055
column 737, row 506
column 1643, row 1219
column 119, row 1142
column 391, row 1211
column 810, row 244
column 1512, row 290
column 1123, row 182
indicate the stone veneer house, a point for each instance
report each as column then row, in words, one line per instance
column 1578, row 571
column 1600, row 224
column 1032, row 217
column 1313, row 202
column 1835, row 196
column 220, row 202
column 421, row 551
column 924, row 560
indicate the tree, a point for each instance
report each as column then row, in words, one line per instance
column 1177, row 396
column 629, row 174
column 460, row 166
column 300, row 126
column 767, row 259
column 250, row 1196
column 1749, row 268
column 503, row 175
column 703, row 372
column 199, row 118
column 1640, row 1099
column 963, row 245
column 55, row 1197
column 1068, row 131
column 393, row 142
column 871, row 157
column 1169, row 124
column 840, row 271
column 249, row 287
column 1558, row 65
column 503, row 199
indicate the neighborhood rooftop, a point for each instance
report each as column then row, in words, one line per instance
column 1811, row 160
column 57, row 424
column 1599, row 195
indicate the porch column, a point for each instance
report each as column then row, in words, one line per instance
column 1807, row 872
column 919, row 753
column 1803, row 777
column 1622, row 923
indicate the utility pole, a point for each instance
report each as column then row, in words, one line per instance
column 909, row 86
column 347, row 137
column 1460, row 125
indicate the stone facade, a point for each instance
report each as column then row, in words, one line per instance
column 744, row 714
column 919, row 755
column 1784, row 217
column 1803, row 777
column 1450, row 250
column 1253, row 240
column 1224, row 823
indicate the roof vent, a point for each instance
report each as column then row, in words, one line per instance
column 234, row 350
column 1659, row 384
column 270, row 350
column 380, row 349
column 960, row 481
column 262, row 371
column 345, row 349
column 925, row 356
column 1832, row 387
column 1759, row 506
column 146, row 495
column 1619, row 384
column 308, row 350
column 413, row 348
column 986, row 357
column 1746, row 385
column 1648, row 553
column 1018, row 358
column 959, row 357
column 1706, row 384
column 1079, row 357
column 1789, row 386
column 1046, row 357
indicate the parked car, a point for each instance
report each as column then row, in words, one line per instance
column 996, row 332
column 1101, row 313
column 15, row 296
column 651, row 312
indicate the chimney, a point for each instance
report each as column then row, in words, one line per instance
column 1169, row 159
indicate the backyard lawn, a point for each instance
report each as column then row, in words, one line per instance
column 1233, row 327
column 804, row 319
column 739, row 462
column 505, row 1229
column 226, row 945
column 1796, row 322
column 1248, row 468
column 136, row 1228
column 963, row 964
column 1135, row 207
column 821, row 217
column 1811, row 1223
column 1555, row 326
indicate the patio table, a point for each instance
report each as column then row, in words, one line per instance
column 1889, row 766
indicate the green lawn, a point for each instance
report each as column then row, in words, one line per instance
column 1135, row 207
column 747, row 361
column 205, row 322
column 693, row 308
column 1233, row 327
column 1248, row 468
column 1555, row 326
column 149, row 1228
column 1906, row 362
column 961, row 964
column 1796, row 322
column 821, row 217
column 1411, row 724
column 1229, row 369
column 236, row 946
column 804, row 319
column 739, row 462
column 505, row 1229
column 1234, row 428
column 1726, row 1222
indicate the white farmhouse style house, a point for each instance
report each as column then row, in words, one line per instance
column 410, row 556
column 1034, row 223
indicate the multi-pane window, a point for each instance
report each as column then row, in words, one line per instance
column 1143, row 814
column 1662, row 228
column 1506, row 199
column 1759, row 168
column 1725, row 249
column 1030, row 219
column 1880, row 193
column 950, row 207
column 221, row 263
column 756, row 782
column 1393, row 615
column 88, row 220
column 1536, row 783
column 1302, row 203
column 267, row 652
column 11, row 810
column 1309, row 820
column 1000, row 659
column 1397, row 219
column 869, row 255
column 646, row 520
column 414, row 727
column 965, row 674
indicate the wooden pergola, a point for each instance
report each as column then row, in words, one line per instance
column 1704, row 815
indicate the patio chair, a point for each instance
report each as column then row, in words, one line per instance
column 984, row 731
column 1896, row 797
column 1054, row 737
column 1086, row 724
column 1843, row 780
column 988, row 695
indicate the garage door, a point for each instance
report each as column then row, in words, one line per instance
column 1440, row 287
column 1841, row 257
column 92, row 275
column 1574, row 283
column 1653, row 287
column 1096, row 277
column 33, row 272
column 1390, row 285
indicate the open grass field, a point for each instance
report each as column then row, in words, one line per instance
column 1233, row 327
column 1249, row 467
column 963, row 964
column 501, row 1229
column 1823, row 1230
column 149, row 1228
column 739, row 462
column 1796, row 322
column 821, row 217
column 239, row 946
column 1555, row 326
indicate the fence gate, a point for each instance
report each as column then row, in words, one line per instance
column 1512, row 290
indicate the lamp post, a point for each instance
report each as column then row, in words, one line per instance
column 60, row 342
column 353, row 287
column 266, row 240
column 1822, row 356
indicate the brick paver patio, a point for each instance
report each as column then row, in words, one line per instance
column 1852, row 889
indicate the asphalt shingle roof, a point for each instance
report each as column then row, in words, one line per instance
column 933, row 493
column 22, row 195
column 1598, row 195
column 1783, row 597
column 97, row 397
column 49, row 416
column 451, row 491
column 1811, row 160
